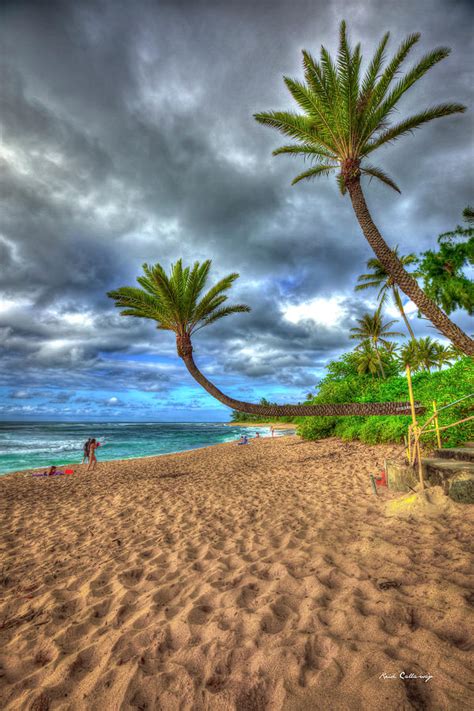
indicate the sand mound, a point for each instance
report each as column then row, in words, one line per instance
column 430, row 502
column 266, row 577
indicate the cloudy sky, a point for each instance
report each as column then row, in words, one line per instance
column 128, row 137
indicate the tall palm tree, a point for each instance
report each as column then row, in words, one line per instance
column 379, row 277
column 372, row 329
column 345, row 118
column 176, row 303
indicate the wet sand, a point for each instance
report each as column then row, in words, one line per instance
column 260, row 577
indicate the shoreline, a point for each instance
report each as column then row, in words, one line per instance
column 275, row 425
column 29, row 470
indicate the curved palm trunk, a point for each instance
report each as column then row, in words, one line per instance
column 399, row 304
column 404, row 280
column 185, row 351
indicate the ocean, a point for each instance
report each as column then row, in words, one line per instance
column 31, row 445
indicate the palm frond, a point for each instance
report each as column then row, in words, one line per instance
column 313, row 173
column 372, row 73
column 392, row 68
column 221, row 313
column 374, row 172
column 305, row 149
column 412, row 123
column 383, row 110
column 341, row 181
column 315, row 79
column 314, row 109
column 291, row 124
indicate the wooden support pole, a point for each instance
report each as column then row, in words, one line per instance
column 409, row 443
column 438, row 437
column 416, row 430
column 412, row 399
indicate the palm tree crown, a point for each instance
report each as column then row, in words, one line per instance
column 382, row 280
column 346, row 117
column 175, row 301
column 372, row 328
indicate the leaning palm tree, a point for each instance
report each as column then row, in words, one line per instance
column 345, row 119
column 379, row 277
column 176, row 303
column 372, row 329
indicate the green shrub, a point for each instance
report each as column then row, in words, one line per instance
column 445, row 386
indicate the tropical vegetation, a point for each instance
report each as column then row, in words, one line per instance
column 345, row 118
column 443, row 270
column 373, row 334
column 445, row 386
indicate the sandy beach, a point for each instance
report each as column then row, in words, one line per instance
column 248, row 578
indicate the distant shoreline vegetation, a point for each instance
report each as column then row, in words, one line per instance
column 343, row 383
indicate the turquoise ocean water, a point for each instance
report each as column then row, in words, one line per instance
column 30, row 445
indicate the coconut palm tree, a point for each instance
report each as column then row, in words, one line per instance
column 444, row 356
column 367, row 359
column 409, row 356
column 373, row 330
column 345, row 118
column 177, row 303
column 379, row 277
column 428, row 353
column 425, row 354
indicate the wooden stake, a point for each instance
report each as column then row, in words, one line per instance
column 412, row 399
column 416, row 430
column 438, row 437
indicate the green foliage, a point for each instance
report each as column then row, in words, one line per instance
column 425, row 354
column 443, row 270
column 445, row 386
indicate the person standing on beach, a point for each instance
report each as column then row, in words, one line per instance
column 93, row 444
column 272, row 430
column 86, row 450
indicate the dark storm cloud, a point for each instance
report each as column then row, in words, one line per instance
column 127, row 136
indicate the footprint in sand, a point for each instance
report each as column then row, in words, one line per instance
column 100, row 610
column 200, row 614
column 131, row 577
column 84, row 663
column 247, row 595
column 274, row 622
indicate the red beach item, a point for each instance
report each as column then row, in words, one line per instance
column 69, row 471
column 381, row 479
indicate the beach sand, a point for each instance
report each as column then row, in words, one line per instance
column 260, row 577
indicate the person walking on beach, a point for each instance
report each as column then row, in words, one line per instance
column 86, row 450
column 93, row 444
